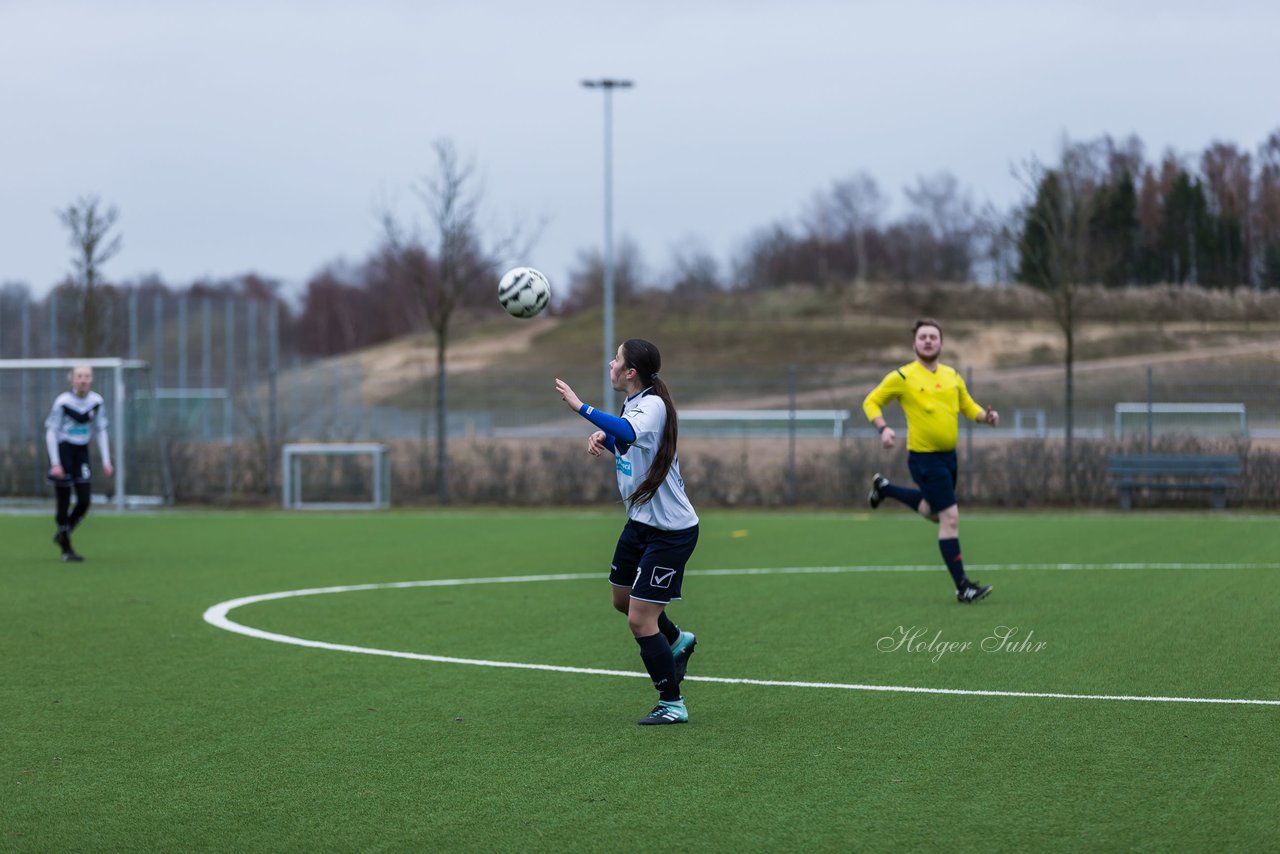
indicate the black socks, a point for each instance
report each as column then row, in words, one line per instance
column 63, row 497
column 669, row 630
column 84, row 497
column 655, row 652
column 950, row 549
column 905, row 494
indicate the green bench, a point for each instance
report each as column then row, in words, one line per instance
column 1213, row 473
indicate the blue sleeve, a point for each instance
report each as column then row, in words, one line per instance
column 612, row 425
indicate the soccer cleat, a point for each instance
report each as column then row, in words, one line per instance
column 70, row 556
column 666, row 712
column 972, row 592
column 876, row 495
column 680, row 652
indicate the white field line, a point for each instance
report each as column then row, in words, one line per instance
column 216, row 615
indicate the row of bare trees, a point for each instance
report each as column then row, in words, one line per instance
column 1213, row 220
column 1165, row 222
column 843, row 237
column 1101, row 214
column 1089, row 223
column 1214, row 223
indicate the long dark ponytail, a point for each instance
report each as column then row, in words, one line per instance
column 647, row 361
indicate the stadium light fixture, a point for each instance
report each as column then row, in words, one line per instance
column 608, row 85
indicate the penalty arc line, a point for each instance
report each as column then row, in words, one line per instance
column 216, row 615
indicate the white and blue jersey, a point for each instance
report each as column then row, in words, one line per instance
column 669, row 510
column 73, row 420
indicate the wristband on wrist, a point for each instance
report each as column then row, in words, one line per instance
column 882, row 428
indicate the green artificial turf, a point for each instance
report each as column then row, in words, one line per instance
column 130, row 723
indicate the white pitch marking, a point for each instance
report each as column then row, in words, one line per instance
column 216, row 615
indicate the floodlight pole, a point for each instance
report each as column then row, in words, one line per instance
column 610, row 346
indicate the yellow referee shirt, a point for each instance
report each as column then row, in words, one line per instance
column 932, row 402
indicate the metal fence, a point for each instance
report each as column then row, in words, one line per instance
column 225, row 393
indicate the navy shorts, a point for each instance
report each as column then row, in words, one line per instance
column 650, row 561
column 935, row 473
column 75, row 464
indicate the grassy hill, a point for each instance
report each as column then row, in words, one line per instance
column 740, row 347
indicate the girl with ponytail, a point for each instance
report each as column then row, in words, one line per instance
column 662, row 527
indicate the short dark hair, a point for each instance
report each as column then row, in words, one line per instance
column 927, row 321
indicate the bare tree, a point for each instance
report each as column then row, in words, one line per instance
column 1227, row 175
column 947, row 210
column 90, row 236
column 694, row 271
column 441, row 270
column 1267, row 216
column 1057, row 249
column 847, row 213
column 586, row 279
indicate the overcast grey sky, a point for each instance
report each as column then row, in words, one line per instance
column 237, row 136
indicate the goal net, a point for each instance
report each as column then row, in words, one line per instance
column 764, row 422
column 28, row 388
column 187, row 413
column 336, row 476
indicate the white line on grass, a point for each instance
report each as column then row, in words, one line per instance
column 216, row 615
column 983, row 568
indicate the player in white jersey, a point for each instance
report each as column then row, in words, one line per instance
column 76, row 415
column 662, row 527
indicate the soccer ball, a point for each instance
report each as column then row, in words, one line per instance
column 523, row 292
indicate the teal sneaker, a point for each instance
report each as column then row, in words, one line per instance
column 666, row 712
column 680, row 652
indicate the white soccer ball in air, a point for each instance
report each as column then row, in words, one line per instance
column 523, row 292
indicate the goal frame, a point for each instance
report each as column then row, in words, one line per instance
column 1233, row 410
column 291, row 456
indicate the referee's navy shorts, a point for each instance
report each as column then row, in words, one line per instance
column 651, row 561
column 935, row 473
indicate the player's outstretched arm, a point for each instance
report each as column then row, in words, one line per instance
column 567, row 395
column 618, row 428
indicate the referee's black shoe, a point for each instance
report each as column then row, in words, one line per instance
column 971, row 592
column 876, row 495
column 70, row 556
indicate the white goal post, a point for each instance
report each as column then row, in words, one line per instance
column 117, row 392
column 380, row 471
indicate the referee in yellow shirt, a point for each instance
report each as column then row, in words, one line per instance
column 932, row 396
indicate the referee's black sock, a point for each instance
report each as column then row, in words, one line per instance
column 905, row 494
column 669, row 630
column 950, row 549
column 655, row 652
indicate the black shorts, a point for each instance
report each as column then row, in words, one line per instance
column 650, row 561
column 935, row 474
column 75, row 464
